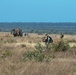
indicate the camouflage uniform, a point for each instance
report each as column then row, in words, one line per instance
column 48, row 39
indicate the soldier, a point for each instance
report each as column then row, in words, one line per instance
column 20, row 32
column 61, row 36
column 47, row 39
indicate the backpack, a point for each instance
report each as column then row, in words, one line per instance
column 49, row 39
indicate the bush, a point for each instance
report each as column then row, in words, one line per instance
column 61, row 46
column 38, row 54
column 47, row 47
column 39, row 47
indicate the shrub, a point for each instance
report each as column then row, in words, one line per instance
column 39, row 47
column 46, row 47
column 61, row 46
column 33, row 55
column 38, row 54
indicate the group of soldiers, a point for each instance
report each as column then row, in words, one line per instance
column 17, row 32
column 47, row 39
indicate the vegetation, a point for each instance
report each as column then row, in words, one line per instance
column 23, row 57
column 39, row 54
column 8, row 40
column 36, row 27
column 71, row 41
column 61, row 46
column 44, row 53
column 74, row 72
column 6, row 53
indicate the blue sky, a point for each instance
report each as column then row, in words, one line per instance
column 37, row 10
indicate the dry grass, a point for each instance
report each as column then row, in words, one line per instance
column 11, row 55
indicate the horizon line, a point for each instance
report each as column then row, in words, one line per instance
column 37, row 22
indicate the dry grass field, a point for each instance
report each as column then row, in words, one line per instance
column 12, row 48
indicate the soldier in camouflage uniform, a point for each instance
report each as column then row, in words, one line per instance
column 47, row 39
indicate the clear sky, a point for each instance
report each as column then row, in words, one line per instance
column 37, row 10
